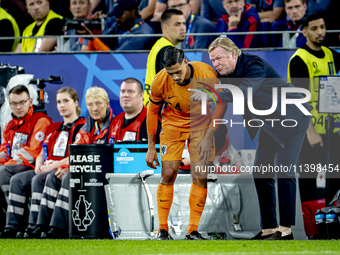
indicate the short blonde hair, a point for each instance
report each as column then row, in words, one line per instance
column 226, row 44
column 97, row 92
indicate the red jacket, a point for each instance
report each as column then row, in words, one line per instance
column 57, row 147
column 22, row 139
column 86, row 133
column 118, row 130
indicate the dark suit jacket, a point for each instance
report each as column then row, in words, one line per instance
column 253, row 72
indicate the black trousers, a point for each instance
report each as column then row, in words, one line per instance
column 270, row 153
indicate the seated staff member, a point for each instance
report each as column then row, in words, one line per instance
column 130, row 125
column 22, row 140
column 95, row 131
column 53, row 154
column 97, row 123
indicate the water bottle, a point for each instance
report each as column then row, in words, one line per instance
column 112, row 140
column 218, row 235
column 332, row 223
column 44, row 146
column 320, row 219
column 8, row 147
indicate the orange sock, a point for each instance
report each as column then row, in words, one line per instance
column 197, row 198
column 165, row 194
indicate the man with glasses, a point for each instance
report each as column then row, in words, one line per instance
column 194, row 24
column 21, row 144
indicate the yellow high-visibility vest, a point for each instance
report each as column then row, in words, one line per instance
column 6, row 15
column 34, row 44
column 316, row 67
column 151, row 66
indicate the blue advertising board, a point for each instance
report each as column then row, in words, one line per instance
column 130, row 158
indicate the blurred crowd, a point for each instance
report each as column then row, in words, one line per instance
column 123, row 17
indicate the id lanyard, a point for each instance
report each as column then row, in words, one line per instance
column 96, row 129
column 298, row 29
column 189, row 28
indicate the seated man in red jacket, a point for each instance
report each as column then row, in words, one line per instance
column 130, row 125
column 22, row 140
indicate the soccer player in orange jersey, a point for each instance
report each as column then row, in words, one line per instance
column 182, row 120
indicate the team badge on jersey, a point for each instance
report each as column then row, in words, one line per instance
column 163, row 149
column 39, row 136
column 60, row 145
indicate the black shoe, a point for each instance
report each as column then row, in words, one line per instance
column 163, row 235
column 43, row 235
column 194, row 235
column 278, row 236
column 9, row 233
column 32, row 233
column 19, row 235
column 259, row 236
column 55, row 233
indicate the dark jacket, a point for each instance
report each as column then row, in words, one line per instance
column 252, row 71
column 130, row 43
column 212, row 9
column 250, row 22
column 199, row 25
column 287, row 25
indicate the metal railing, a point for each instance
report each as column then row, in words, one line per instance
column 288, row 41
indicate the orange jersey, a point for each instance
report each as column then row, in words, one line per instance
column 181, row 114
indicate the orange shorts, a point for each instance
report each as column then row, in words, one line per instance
column 173, row 142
